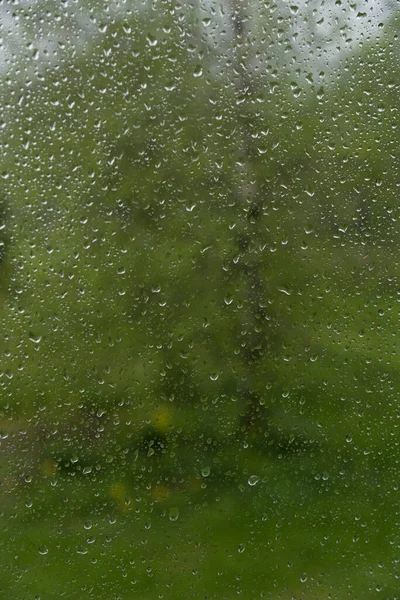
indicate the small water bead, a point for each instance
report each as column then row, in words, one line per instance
column 173, row 514
column 253, row 480
column 198, row 72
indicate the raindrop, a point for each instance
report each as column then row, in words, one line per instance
column 253, row 480
column 173, row 514
column 151, row 40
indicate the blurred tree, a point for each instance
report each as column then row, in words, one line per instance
column 177, row 228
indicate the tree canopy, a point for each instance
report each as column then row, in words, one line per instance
column 200, row 280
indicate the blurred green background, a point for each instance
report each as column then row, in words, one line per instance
column 199, row 301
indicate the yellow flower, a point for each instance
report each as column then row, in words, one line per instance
column 119, row 494
column 159, row 493
column 49, row 467
column 162, row 418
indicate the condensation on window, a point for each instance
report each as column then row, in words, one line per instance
column 199, row 233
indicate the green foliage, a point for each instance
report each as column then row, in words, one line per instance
column 201, row 277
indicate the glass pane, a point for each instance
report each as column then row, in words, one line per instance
column 199, row 299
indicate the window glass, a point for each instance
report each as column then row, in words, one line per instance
column 199, row 299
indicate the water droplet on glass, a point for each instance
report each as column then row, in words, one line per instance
column 151, row 40
column 173, row 514
column 253, row 480
column 198, row 72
